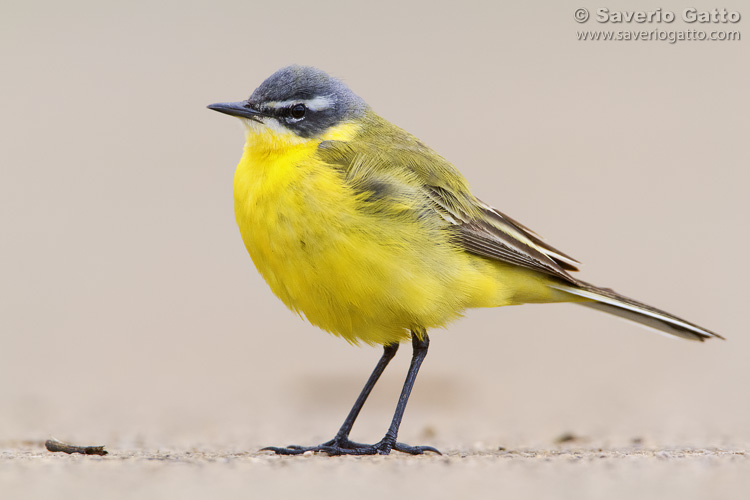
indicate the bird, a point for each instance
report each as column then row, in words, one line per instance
column 369, row 234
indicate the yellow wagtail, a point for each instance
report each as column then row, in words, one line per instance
column 374, row 237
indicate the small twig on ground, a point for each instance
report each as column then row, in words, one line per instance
column 567, row 437
column 55, row 445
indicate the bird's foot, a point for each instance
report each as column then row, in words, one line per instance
column 337, row 446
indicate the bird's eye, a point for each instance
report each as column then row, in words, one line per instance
column 298, row 111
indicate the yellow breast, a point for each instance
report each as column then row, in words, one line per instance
column 356, row 274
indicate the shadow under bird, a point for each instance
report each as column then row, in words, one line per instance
column 376, row 238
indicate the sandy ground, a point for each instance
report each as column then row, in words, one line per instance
column 561, row 471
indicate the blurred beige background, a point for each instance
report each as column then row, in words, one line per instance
column 131, row 314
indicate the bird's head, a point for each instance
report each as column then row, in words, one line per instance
column 296, row 104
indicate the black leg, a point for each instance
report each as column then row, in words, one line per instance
column 341, row 441
column 340, row 445
column 389, row 441
column 389, row 352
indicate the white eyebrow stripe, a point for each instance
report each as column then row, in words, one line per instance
column 316, row 104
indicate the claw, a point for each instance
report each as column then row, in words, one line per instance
column 415, row 450
column 346, row 447
column 289, row 450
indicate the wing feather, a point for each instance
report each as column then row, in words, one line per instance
column 496, row 236
column 480, row 228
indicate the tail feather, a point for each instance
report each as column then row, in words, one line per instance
column 613, row 303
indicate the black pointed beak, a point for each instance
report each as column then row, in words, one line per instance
column 241, row 109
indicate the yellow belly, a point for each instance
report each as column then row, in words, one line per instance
column 362, row 276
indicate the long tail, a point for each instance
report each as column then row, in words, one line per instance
column 610, row 302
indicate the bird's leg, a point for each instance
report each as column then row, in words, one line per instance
column 342, row 436
column 389, row 442
column 341, row 441
column 340, row 445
